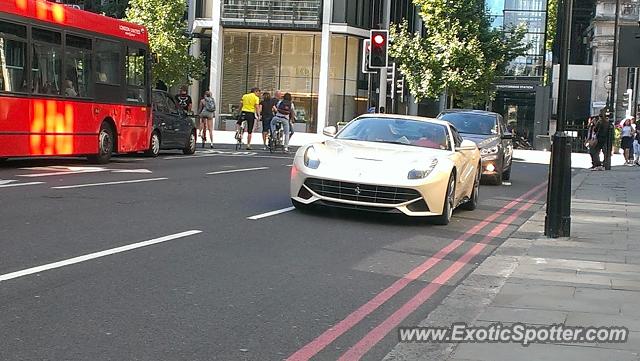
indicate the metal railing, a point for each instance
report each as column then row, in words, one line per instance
column 273, row 13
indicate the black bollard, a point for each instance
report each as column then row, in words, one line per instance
column 558, row 218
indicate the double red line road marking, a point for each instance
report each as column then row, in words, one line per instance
column 378, row 333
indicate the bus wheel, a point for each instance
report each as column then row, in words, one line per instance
column 105, row 145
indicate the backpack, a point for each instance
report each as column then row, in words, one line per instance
column 284, row 107
column 210, row 104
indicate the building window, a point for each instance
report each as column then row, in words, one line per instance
column 13, row 56
column 272, row 61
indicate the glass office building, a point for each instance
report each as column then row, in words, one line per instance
column 520, row 93
column 310, row 48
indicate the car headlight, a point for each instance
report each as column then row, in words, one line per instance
column 422, row 173
column 490, row 150
column 311, row 159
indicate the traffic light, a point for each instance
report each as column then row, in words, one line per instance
column 627, row 102
column 400, row 89
column 379, row 48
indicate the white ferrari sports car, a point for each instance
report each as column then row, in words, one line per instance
column 389, row 163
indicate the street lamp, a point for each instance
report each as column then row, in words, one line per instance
column 558, row 219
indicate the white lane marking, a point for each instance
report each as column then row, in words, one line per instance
column 111, row 183
column 20, row 184
column 61, row 173
column 95, row 255
column 237, row 170
column 269, row 214
column 6, row 181
column 288, row 165
column 131, row 171
column 506, row 183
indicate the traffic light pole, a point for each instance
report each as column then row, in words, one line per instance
column 614, row 91
column 382, row 96
column 558, row 218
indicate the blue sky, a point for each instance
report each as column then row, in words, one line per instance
column 495, row 6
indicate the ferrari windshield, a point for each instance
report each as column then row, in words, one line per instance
column 472, row 123
column 397, row 131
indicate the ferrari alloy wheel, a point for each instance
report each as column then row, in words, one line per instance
column 472, row 204
column 447, row 211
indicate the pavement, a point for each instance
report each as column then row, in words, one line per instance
column 589, row 279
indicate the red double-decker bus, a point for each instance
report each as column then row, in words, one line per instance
column 71, row 82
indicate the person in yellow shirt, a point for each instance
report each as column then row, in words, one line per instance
column 250, row 112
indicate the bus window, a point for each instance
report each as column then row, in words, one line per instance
column 13, row 57
column 47, row 61
column 108, row 62
column 136, row 73
column 78, row 67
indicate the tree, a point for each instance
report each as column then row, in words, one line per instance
column 168, row 39
column 457, row 51
column 114, row 8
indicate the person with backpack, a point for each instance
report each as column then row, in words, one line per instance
column 207, row 114
column 285, row 112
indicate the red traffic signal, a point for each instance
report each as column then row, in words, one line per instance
column 379, row 45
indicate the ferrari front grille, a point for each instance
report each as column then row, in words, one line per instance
column 361, row 192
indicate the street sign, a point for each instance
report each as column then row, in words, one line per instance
column 629, row 46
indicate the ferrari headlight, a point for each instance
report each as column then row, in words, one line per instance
column 490, row 150
column 422, row 173
column 311, row 159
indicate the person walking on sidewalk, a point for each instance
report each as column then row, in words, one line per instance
column 250, row 112
column 636, row 146
column 597, row 139
column 627, row 140
column 207, row 113
column 267, row 105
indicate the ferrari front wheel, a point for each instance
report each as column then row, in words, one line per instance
column 447, row 209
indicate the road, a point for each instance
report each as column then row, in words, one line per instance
column 243, row 283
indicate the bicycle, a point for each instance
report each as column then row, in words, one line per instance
column 276, row 140
column 239, row 134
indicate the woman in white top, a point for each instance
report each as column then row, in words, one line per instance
column 627, row 139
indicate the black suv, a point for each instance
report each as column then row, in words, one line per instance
column 489, row 131
column 172, row 128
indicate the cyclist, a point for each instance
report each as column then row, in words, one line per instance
column 250, row 112
column 207, row 113
column 284, row 114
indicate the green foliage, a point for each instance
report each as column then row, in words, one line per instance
column 113, row 8
column 457, row 51
column 552, row 23
column 168, row 39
